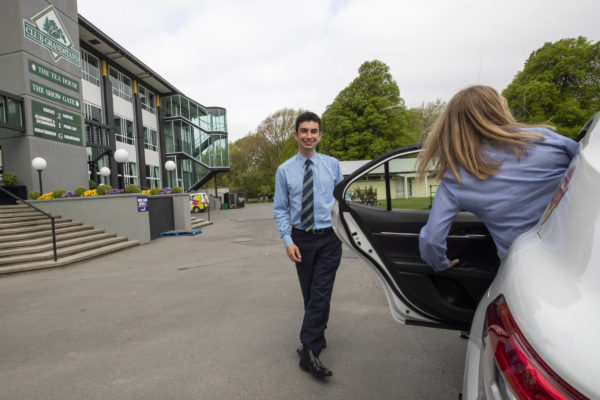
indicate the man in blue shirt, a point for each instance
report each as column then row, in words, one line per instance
column 303, row 199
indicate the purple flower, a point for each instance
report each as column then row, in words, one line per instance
column 116, row 191
column 68, row 194
column 166, row 190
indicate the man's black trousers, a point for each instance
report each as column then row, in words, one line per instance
column 321, row 254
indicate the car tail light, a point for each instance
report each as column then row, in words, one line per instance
column 522, row 369
column 194, row 202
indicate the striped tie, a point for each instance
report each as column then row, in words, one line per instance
column 308, row 210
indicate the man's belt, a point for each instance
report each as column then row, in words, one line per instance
column 313, row 231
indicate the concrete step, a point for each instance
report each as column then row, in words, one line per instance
column 47, row 232
column 23, row 217
column 62, row 261
column 24, row 242
column 14, row 208
column 61, row 252
column 60, row 244
column 36, row 228
column 37, row 222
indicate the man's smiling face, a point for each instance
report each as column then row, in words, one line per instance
column 308, row 136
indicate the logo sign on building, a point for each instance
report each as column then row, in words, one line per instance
column 55, row 124
column 53, row 76
column 54, row 95
column 47, row 30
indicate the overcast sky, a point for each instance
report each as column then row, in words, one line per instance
column 254, row 57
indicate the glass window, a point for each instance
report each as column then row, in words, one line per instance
column 90, row 68
column 14, row 112
column 406, row 192
column 130, row 173
column 147, row 99
column 121, row 84
column 2, row 114
column 92, row 112
column 150, row 139
column 124, row 130
column 153, row 176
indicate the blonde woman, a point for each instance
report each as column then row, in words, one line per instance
column 502, row 171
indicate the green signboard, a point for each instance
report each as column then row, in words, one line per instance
column 55, row 124
column 53, row 76
column 54, row 95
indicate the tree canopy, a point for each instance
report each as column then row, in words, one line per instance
column 254, row 158
column 559, row 85
column 367, row 118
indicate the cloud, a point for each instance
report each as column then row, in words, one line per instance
column 256, row 57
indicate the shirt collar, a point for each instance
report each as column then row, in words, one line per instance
column 301, row 159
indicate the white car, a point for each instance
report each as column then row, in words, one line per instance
column 534, row 319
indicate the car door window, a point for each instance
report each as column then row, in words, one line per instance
column 406, row 192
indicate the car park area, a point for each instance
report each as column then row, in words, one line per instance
column 211, row 316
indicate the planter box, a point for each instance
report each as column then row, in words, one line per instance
column 118, row 213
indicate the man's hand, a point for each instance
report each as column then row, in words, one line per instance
column 293, row 253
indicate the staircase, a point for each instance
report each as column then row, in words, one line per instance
column 26, row 240
column 199, row 222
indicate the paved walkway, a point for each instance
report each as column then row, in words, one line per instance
column 211, row 316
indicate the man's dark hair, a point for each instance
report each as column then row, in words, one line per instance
column 307, row 116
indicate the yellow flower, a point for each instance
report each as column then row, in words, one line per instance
column 146, row 191
column 90, row 193
column 46, row 196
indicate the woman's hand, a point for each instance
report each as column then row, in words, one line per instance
column 453, row 262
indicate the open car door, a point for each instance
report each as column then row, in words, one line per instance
column 379, row 212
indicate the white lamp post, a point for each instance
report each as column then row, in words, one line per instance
column 104, row 171
column 39, row 164
column 121, row 156
column 170, row 166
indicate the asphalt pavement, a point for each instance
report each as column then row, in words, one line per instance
column 211, row 316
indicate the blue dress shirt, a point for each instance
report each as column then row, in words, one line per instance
column 287, row 203
column 508, row 203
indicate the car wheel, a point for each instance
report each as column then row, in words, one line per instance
column 196, row 209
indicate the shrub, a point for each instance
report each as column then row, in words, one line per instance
column 58, row 193
column 132, row 188
column 92, row 185
column 102, row 189
column 80, row 191
column 34, row 195
column 10, row 179
column 177, row 189
column 154, row 191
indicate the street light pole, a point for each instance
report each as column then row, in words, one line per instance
column 170, row 167
column 39, row 164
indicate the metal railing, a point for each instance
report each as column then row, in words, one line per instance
column 38, row 210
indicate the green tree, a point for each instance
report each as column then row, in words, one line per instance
column 254, row 158
column 367, row 118
column 559, row 85
column 420, row 119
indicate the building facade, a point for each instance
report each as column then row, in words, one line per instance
column 73, row 96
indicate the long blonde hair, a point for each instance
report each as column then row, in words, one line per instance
column 474, row 116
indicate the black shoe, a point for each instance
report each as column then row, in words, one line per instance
column 311, row 363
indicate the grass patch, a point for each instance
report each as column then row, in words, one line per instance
column 418, row 203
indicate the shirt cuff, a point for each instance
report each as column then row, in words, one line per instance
column 287, row 240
